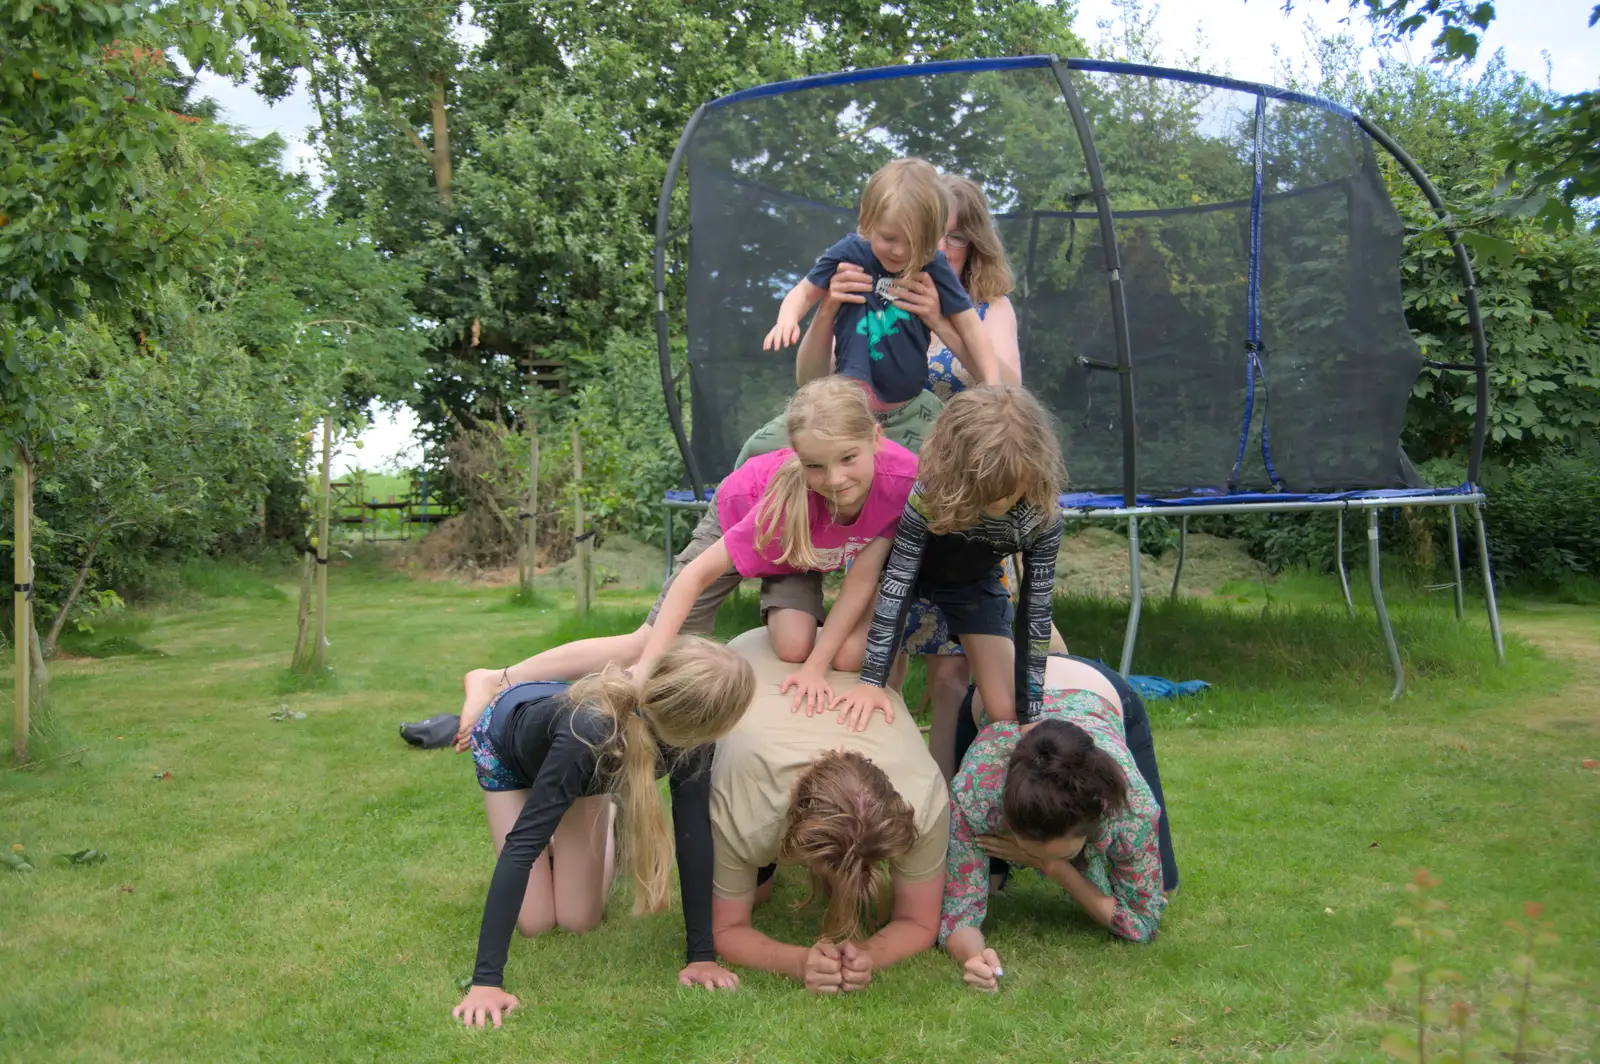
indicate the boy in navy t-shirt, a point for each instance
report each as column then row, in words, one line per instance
column 903, row 215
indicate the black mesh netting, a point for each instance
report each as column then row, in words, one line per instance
column 773, row 180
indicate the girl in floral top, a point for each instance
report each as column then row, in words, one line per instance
column 1062, row 795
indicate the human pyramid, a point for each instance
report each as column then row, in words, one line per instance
column 912, row 458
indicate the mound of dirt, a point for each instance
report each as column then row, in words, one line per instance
column 1094, row 561
column 618, row 562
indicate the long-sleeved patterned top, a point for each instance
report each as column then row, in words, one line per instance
column 1121, row 858
column 964, row 557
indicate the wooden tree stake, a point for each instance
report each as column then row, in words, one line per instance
column 319, row 651
column 579, row 536
column 531, row 522
column 22, row 606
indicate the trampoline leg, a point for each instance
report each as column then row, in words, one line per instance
column 1183, row 546
column 1377, row 602
column 1455, row 565
column 1488, row 584
column 667, row 536
column 1136, row 592
column 1338, row 561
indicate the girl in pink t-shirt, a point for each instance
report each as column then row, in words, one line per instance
column 833, row 497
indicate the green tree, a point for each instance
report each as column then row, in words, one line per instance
column 1552, row 151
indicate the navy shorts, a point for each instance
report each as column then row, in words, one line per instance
column 980, row 608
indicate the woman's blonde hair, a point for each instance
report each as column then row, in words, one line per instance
column 991, row 441
column 830, row 409
column 987, row 274
column 693, row 695
column 845, row 822
column 907, row 191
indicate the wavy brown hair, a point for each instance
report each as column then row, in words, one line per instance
column 991, row 442
column 987, row 275
column 845, row 822
column 1059, row 783
column 693, row 694
column 829, row 408
column 908, row 191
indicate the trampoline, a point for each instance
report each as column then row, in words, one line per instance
column 1208, row 283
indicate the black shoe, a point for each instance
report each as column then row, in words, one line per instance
column 432, row 733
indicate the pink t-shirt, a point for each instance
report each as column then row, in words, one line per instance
column 739, row 499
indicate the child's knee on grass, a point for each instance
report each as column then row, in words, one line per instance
column 534, row 926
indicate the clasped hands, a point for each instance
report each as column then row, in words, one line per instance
column 837, row 968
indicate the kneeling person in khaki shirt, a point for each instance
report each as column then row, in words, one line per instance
column 791, row 789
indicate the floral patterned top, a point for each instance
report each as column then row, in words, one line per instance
column 1121, row 858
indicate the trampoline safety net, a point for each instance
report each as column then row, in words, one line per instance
column 1259, row 254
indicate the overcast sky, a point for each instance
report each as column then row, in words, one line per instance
column 1250, row 39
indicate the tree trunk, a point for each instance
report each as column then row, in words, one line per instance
column 72, row 596
column 443, row 176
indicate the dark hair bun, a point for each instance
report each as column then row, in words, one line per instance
column 1059, row 783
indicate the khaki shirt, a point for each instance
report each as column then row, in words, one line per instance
column 758, row 762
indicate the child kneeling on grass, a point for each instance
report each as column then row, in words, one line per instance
column 548, row 758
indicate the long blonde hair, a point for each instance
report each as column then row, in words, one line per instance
column 990, row 442
column 693, row 695
column 829, row 409
column 907, row 191
column 987, row 275
column 845, row 822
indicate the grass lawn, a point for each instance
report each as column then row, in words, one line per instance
column 310, row 889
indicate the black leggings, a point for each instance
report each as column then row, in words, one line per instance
column 1141, row 744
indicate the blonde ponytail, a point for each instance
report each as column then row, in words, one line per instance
column 828, row 409
column 693, row 695
column 785, row 512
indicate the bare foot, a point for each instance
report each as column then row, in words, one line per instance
column 481, row 685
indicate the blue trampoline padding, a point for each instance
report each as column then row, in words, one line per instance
column 679, row 495
column 1088, row 500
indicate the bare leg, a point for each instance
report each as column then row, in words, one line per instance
column 538, row 913
column 993, row 660
column 581, row 852
column 851, row 656
column 948, row 676
column 793, row 633
column 570, row 661
column 897, row 671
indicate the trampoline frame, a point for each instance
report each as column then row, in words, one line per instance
column 1131, row 510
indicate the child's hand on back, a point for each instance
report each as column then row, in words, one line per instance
column 855, row 706
column 811, row 690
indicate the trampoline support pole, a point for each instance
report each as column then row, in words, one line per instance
column 1376, row 575
column 1488, row 584
column 1183, row 548
column 1455, row 566
column 666, row 515
column 1338, row 560
column 1136, row 594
